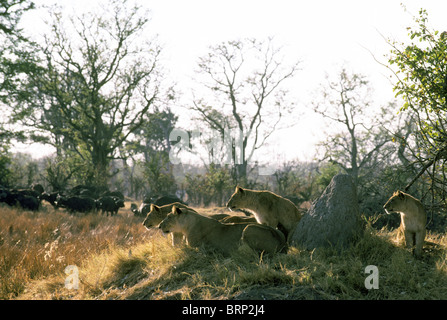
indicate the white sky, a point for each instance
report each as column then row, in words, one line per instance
column 323, row 34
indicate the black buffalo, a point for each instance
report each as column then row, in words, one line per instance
column 109, row 204
column 142, row 211
column 50, row 197
column 28, row 202
column 8, row 197
column 23, row 198
column 76, row 203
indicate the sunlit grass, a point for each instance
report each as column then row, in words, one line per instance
column 34, row 245
column 118, row 259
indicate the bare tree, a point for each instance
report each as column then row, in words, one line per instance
column 356, row 147
column 244, row 82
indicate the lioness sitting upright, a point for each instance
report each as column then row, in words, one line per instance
column 413, row 219
column 268, row 208
column 201, row 230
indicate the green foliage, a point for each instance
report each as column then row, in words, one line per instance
column 58, row 173
column 213, row 187
column 157, row 171
column 218, row 182
column 326, row 173
column 421, row 72
column 298, row 181
column 15, row 57
column 5, row 172
column 93, row 87
column 152, row 142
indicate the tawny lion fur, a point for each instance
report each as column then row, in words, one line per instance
column 268, row 208
column 204, row 231
column 265, row 239
column 413, row 219
column 158, row 213
column 238, row 219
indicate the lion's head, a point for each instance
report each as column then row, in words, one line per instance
column 236, row 199
column 394, row 204
column 154, row 217
column 173, row 220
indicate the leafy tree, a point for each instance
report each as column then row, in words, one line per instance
column 153, row 135
column 58, row 173
column 5, row 172
column 15, row 59
column 297, row 181
column 152, row 142
column 326, row 171
column 160, row 180
column 218, row 184
column 420, row 71
column 194, row 187
column 98, row 80
column 15, row 56
column 213, row 187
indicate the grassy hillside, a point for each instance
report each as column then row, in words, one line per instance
column 118, row 258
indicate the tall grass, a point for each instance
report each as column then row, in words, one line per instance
column 34, row 245
column 118, row 259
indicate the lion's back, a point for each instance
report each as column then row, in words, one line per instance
column 279, row 208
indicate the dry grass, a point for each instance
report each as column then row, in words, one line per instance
column 35, row 245
column 118, row 259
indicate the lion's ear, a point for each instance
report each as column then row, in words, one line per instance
column 176, row 210
column 401, row 195
column 154, row 207
column 239, row 190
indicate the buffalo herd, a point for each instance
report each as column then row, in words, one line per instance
column 80, row 199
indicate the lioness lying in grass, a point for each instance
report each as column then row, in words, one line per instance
column 201, row 230
column 204, row 231
column 157, row 214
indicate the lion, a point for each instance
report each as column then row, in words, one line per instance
column 268, row 208
column 200, row 230
column 237, row 219
column 158, row 213
column 265, row 239
column 228, row 218
column 413, row 219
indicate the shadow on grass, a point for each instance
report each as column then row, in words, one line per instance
column 318, row 274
